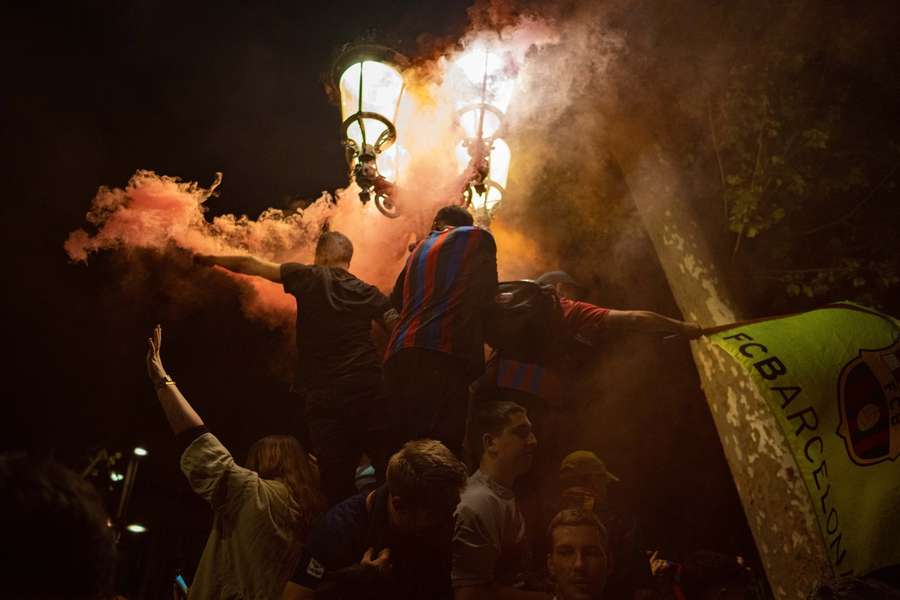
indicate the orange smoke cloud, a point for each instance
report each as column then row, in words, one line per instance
column 156, row 212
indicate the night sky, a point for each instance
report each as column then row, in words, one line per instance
column 97, row 90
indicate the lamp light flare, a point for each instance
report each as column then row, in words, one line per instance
column 487, row 78
column 500, row 158
column 140, row 451
column 136, row 528
column 392, row 162
column 468, row 120
column 382, row 86
column 371, row 88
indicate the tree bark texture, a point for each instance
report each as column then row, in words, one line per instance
column 772, row 492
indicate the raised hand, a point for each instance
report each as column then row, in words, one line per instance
column 692, row 331
column 155, row 368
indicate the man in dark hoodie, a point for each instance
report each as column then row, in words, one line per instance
column 338, row 370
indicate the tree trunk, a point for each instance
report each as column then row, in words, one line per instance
column 772, row 492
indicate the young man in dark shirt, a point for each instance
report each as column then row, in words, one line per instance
column 392, row 543
column 338, row 371
column 437, row 348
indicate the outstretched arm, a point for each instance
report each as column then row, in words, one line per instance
column 645, row 321
column 179, row 413
column 246, row 265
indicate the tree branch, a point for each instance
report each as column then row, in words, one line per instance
column 715, row 140
column 853, row 210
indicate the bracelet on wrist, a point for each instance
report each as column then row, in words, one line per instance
column 160, row 384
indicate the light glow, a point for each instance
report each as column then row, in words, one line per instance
column 469, row 122
column 485, row 70
column 382, row 86
column 140, row 451
column 500, row 158
column 136, row 528
column 392, row 162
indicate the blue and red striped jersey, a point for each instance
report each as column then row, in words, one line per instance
column 580, row 319
column 534, row 379
column 448, row 282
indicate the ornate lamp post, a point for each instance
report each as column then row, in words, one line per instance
column 371, row 87
column 486, row 83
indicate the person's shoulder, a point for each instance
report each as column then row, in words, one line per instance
column 570, row 306
column 475, row 236
column 347, row 276
column 472, row 230
column 345, row 517
column 292, row 270
column 478, row 498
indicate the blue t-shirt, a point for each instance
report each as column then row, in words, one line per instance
column 420, row 567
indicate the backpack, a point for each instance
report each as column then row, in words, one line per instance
column 525, row 321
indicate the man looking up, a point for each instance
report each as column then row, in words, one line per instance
column 490, row 551
column 338, row 371
column 437, row 348
column 402, row 532
column 578, row 561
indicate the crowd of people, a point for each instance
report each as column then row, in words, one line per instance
column 433, row 473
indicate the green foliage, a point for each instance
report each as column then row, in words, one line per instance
column 807, row 160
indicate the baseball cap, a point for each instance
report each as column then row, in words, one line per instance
column 584, row 462
column 554, row 277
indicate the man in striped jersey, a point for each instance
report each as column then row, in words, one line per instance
column 437, row 347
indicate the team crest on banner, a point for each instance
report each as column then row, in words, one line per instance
column 869, row 397
column 831, row 379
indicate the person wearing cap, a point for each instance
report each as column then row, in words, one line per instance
column 584, row 479
column 583, row 483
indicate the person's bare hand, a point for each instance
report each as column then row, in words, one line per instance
column 155, row 368
column 381, row 564
column 692, row 331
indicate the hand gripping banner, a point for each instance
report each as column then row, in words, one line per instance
column 831, row 377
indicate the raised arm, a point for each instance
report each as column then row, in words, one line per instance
column 645, row 321
column 246, row 265
column 180, row 414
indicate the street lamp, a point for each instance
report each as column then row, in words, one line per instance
column 371, row 87
column 485, row 83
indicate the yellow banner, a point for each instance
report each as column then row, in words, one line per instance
column 832, row 379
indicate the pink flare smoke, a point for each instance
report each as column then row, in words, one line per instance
column 153, row 212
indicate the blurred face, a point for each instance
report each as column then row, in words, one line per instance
column 414, row 522
column 514, row 447
column 577, row 562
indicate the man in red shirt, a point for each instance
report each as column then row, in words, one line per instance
column 582, row 325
